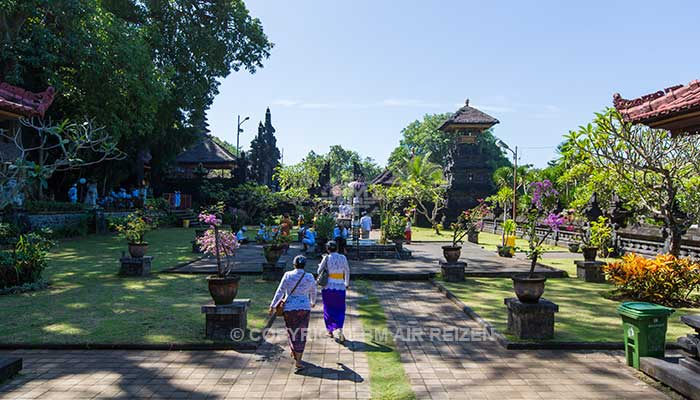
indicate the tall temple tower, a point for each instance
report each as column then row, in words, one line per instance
column 468, row 174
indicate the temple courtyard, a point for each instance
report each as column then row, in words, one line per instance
column 406, row 338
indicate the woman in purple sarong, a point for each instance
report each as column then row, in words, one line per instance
column 298, row 290
column 333, row 293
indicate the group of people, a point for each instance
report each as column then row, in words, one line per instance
column 297, row 292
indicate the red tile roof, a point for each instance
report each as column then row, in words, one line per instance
column 17, row 101
column 667, row 103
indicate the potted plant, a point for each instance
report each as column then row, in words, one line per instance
column 223, row 287
column 275, row 244
column 133, row 229
column 530, row 287
column 324, row 224
column 574, row 247
column 507, row 246
column 393, row 228
column 596, row 239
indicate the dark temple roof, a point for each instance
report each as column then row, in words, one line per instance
column 207, row 152
column 469, row 116
column 386, row 178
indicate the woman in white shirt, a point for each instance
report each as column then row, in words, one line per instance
column 333, row 293
column 298, row 291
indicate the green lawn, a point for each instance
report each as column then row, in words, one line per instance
column 584, row 315
column 88, row 303
column 387, row 378
column 486, row 239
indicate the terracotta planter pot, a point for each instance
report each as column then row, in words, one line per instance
column 505, row 251
column 574, row 247
column 589, row 253
column 452, row 253
column 473, row 237
column 223, row 290
column 273, row 252
column 527, row 288
column 138, row 250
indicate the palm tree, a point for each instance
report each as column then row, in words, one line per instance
column 423, row 183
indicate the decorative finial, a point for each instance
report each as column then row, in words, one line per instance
column 466, row 102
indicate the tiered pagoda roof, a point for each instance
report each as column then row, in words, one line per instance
column 386, row 178
column 18, row 103
column 468, row 116
column 208, row 153
column 676, row 108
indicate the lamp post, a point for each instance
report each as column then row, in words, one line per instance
column 515, row 172
column 238, row 134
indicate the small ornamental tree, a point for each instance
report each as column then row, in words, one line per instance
column 217, row 242
column 658, row 173
column 543, row 203
column 422, row 183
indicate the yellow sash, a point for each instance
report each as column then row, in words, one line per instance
column 337, row 276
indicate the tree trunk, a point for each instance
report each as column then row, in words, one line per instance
column 672, row 244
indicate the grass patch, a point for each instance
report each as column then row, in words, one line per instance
column 88, row 303
column 584, row 315
column 387, row 377
column 487, row 240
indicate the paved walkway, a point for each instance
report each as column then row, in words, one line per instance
column 339, row 372
column 445, row 368
column 480, row 263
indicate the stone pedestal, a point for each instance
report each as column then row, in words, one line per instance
column 531, row 321
column 453, row 272
column 590, row 271
column 9, row 367
column 195, row 247
column 228, row 322
column 135, row 266
column 273, row 272
column 691, row 343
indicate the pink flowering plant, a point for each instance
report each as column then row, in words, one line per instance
column 469, row 221
column 217, row 242
column 544, row 198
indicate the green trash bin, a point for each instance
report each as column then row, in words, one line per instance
column 645, row 326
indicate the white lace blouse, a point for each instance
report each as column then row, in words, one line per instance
column 303, row 297
column 336, row 264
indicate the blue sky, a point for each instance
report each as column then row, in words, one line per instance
column 355, row 73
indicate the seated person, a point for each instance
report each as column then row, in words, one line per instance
column 240, row 235
column 309, row 239
column 262, row 235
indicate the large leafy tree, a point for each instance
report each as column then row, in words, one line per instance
column 146, row 70
column 658, row 174
column 341, row 162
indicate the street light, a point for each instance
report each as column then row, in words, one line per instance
column 238, row 134
column 503, row 145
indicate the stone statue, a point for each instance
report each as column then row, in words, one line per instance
column 592, row 209
column 91, row 196
column 324, row 178
column 73, row 193
column 17, row 197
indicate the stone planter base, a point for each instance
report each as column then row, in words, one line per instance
column 531, row 321
column 590, row 271
column 453, row 272
column 135, row 266
column 9, row 367
column 227, row 322
column 273, row 272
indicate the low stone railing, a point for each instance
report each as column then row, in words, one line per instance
column 649, row 246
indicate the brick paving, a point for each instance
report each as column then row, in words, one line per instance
column 447, row 369
column 339, row 372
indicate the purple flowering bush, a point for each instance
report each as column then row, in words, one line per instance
column 544, row 199
column 216, row 242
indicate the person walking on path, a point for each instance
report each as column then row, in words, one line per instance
column 297, row 292
column 365, row 225
column 407, row 231
column 333, row 293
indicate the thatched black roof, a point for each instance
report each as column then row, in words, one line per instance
column 386, row 178
column 207, row 152
column 469, row 116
